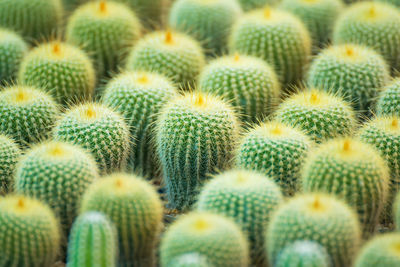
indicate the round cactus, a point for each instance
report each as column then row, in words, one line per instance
column 304, row 253
column 29, row 233
column 26, row 114
column 355, row 72
column 249, row 83
column 57, row 174
column 9, row 156
column 139, row 96
column 98, row 129
column 148, row 11
column 353, row 171
column 318, row 16
column 195, row 138
column 12, row 49
column 276, row 150
column 93, row 242
column 190, row 260
column 172, row 54
column 319, row 218
column 106, row 30
column 382, row 251
column 254, row 4
column 210, row 22
column 373, row 24
column 211, row 235
column 320, row 114
column 276, row 36
column 135, row 209
column 62, row 69
column 33, row 19
column 389, row 99
column 249, row 199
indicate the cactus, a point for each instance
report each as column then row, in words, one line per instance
column 318, row 16
column 304, row 253
column 355, row 72
column 211, row 235
column 57, row 174
column 210, row 22
column 135, row 209
column 106, row 30
column 148, row 11
column 249, row 83
column 139, row 96
column 12, row 49
column 33, row 19
column 392, row 2
column 396, row 211
column 373, row 24
column 29, row 233
column 249, row 199
column 175, row 55
column 389, row 99
column 100, row 130
column 353, row 171
column 190, row 260
column 9, row 156
column 315, row 217
column 276, row 36
column 277, row 150
column 62, row 69
column 93, row 242
column 254, row 4
column 26, row 114
column 320, row 114
column 382, row 251
column 195, row 137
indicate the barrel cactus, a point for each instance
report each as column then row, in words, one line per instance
column 389, row 99
column 9, row 156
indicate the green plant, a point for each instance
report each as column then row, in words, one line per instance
column 389, row 99
column 9, row 156
column 136, row 210
column 315, row 217
column 100, row 130
column 254, row 4
column 139, row 96
column 211, row 235
column 304, row 253
column 195, row 137
column 248, row 83
column 190, row 260
column 248, row 198
column 150, row 12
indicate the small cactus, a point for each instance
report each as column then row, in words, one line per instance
column 389, row 99
column 9, row 156
column 304, row 253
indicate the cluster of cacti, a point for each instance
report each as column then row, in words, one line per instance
column 139, row 96
column 304, row 253
column 389, row 100
column 248, row 83
column 9, row 156
column 249, row 199
column 195, row 137
column 173, row 54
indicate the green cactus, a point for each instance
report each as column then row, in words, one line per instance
column 396, row 211
column 211, row 235
column 276, row 36
column 277, row 151
column 139, row 96
column 60, row 68
column 26, row 114
column 319, row 17
column 195, row 137
column 389, row 99
column 249, row 199
column 254, row 4
column 106, row 30
column 304, row 253
column 135, row 209
column 57, row 174
column 382, row 251
column 9, row 156
column 210, row 22
column 149, row 12
column 373, row 24
column 190, row 260
column 93, row 242
column 249, row 83
column 315, row 217
column 392, row 2
column 29, row 233
column 33, row 19
column 12, row 49
column 355, row 72
column 98, row 129
column 353, row 171
column 175, row 55
column 321, row 115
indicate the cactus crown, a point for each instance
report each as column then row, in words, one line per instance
column 314, row 98
column 89, row 112
column 277, row 130
column 22, row 205
column 22, row 95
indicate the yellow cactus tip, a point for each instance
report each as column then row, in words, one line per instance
column 103, row 6
column 118, row 183
column 56, row 48
column 56, row 150
column 349, row 51
column 316, row 205
column 314, row 99
column 21, row 96
column 346, row 145
column 143, row 79
column 396, row 247
column 372, row 12
column 236, row 57
column 199, row 100
column 395, row 123
column 168, row 37
column 276, row 130
column 90, row 113
column 241, row 178
column 201, row 225
column 267, row 12
column 21, row 203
